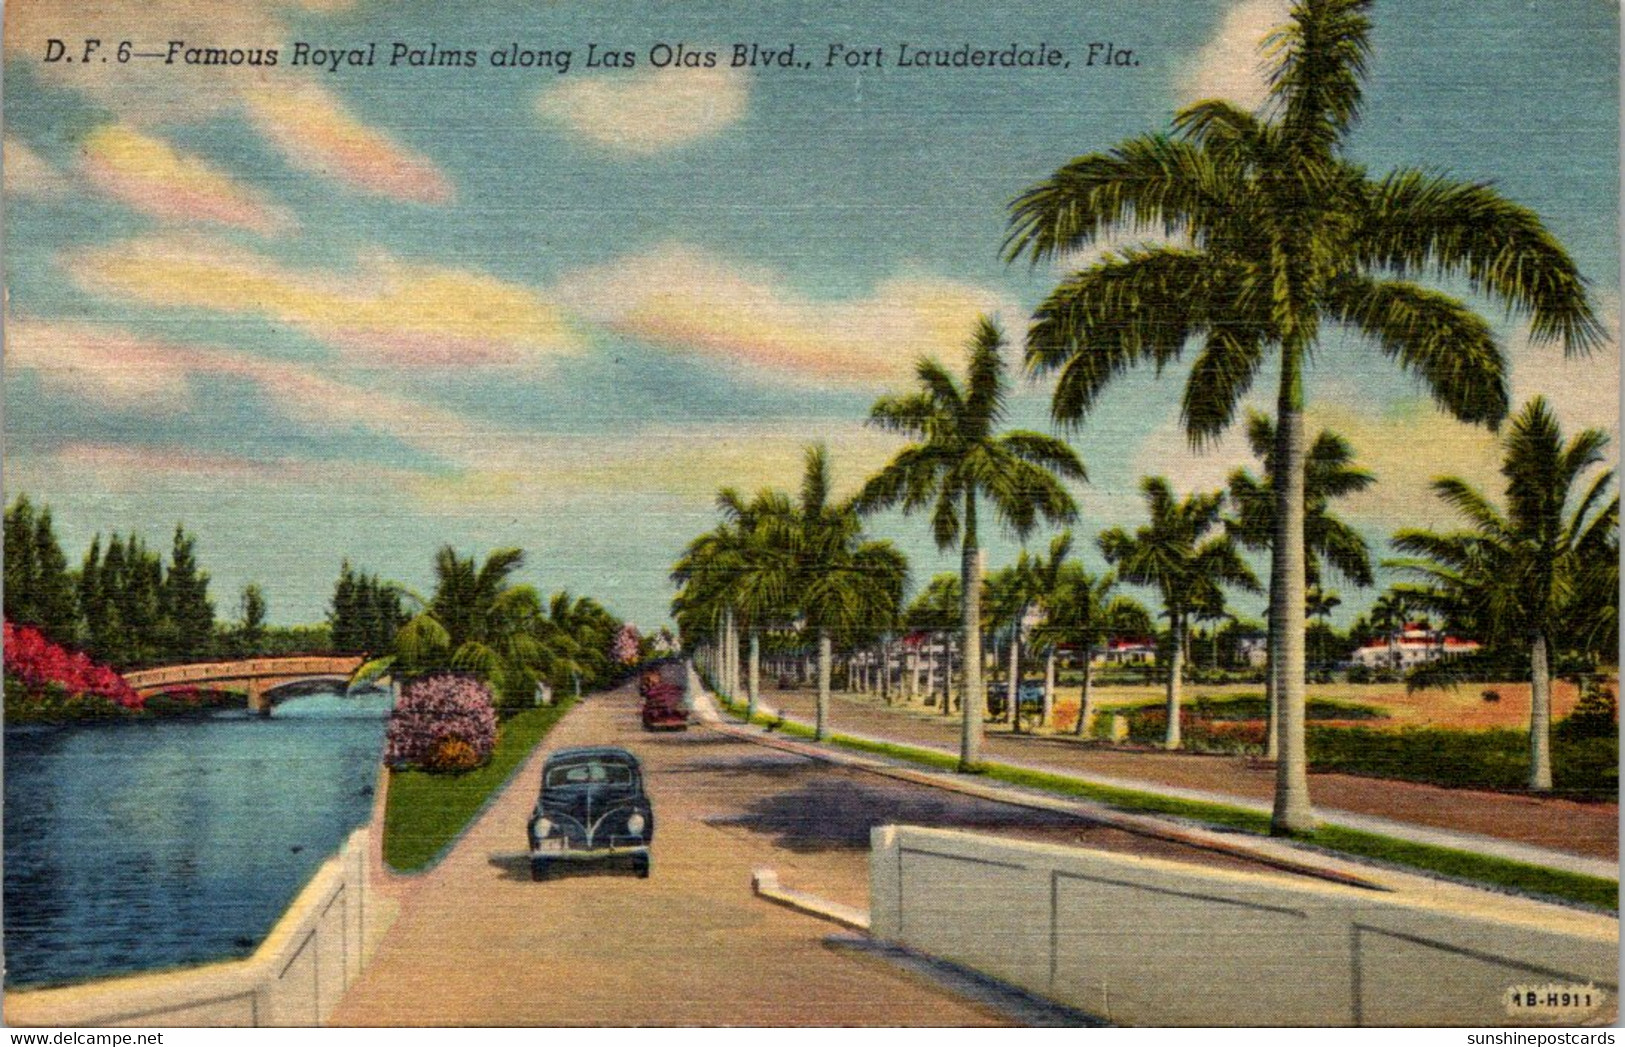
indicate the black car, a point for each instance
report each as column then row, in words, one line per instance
column 592, row 807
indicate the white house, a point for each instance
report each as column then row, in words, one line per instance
column 1415, row 645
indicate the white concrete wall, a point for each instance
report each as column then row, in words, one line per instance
column 294, row 978
column 1140, row 941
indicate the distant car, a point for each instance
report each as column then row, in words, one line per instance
column 592, row 808
column 663, row 707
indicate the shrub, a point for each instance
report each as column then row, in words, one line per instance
column 1596, row 715
column 437, row 709
column 63, row 684
column 1491, row 696
column 452, row 755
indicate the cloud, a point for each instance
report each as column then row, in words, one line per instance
column 318, row 134
column 150, row 176
column 1584, row 390
column 385, row 311
column 108, row 367
column 113, row 368
column 28, row 174
column 1231, row 65
column 683, row 464
column 686, row 300
column 648, row 112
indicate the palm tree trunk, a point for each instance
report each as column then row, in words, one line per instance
column 1176, row 667
column 1272, row 739
column 755, row 680
column 931, row 670
column 885, row 671
column 947, row 677
column 914, row 673
column 1012, row 689
column 1081, row 728
column 1049, row 689
column 971, row 696
column 1288, row 583
column 825, row 656
column 1540, row 716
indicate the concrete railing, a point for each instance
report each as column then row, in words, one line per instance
column 311, row 665
column 294, row 978
column 1141, row 941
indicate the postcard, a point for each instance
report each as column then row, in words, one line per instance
column 908, row 514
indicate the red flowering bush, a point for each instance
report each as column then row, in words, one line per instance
column 438, row 709
column 65, row 683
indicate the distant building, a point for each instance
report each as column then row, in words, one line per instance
column 1415, row 645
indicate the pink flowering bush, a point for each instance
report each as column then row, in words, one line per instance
column 436, row 711
column 45, row 680
column 627, row 647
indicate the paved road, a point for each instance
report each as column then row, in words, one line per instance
column 477, row 943
column 1588, row 829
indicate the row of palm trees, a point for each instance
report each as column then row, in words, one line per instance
column 479, row 620
column 1267, row 232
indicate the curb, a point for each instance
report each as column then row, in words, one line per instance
column 765, row 882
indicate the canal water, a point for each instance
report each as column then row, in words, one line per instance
column 153, row 844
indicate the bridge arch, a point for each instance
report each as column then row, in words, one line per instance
column 256, row 676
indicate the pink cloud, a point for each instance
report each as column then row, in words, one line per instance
column 317, row 133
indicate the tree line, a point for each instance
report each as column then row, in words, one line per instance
column 1271, row 233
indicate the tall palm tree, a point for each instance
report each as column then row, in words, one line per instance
column 1045, row 574
column 1389, row 615
column 1513, row 577
column 960, row 458
column 844, row 586
column 1082, row 608
column 1329, row 472
column 1174, row 553
column 1284, row 234
column 936, row 611
column 1320, row 603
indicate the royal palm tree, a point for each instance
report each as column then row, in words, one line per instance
column 1329, row 472
column 821, row 568
column 1320, row 603
column 960, row 458
column 1045, row 574
column 1512, row 579
column 1282, row 233
column 936, row 611
column 1174, row 553
column 1083, row 609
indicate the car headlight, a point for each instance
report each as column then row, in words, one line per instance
column 541, row 827
column 635, row 823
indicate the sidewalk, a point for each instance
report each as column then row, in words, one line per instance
column 1574, row 824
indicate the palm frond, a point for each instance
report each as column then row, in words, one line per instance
column 1418, row 223
column 1435, row 337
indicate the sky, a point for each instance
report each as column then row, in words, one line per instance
column 366, row 311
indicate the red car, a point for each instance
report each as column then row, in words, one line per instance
column 662, row 705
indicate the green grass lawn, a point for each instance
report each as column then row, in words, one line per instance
column 1472, row 868
column 426, row 812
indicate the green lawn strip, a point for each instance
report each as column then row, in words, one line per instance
column 425, row 813
column 1481, row 869
column 1595, row 891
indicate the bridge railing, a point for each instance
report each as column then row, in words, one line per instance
column 247, row 669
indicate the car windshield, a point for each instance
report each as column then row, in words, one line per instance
column 590, row 772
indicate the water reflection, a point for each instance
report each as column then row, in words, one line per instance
column 141, row 845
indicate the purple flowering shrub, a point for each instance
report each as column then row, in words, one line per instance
column 435, row 712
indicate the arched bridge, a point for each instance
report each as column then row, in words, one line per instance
column 257, row 676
